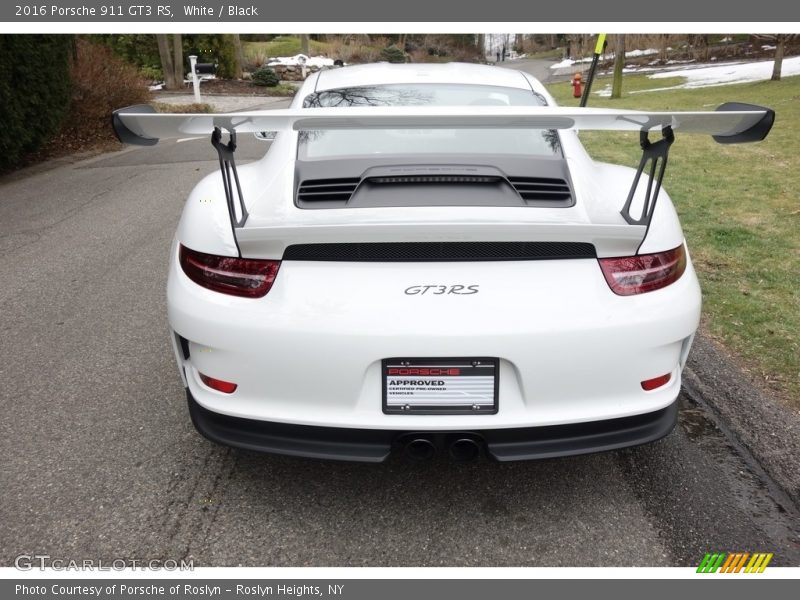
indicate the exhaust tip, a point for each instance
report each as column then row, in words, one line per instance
column 465, row 450
column 420, row 449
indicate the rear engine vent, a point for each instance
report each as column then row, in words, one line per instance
column 435, row 179
column 542, row 189
column 338, row 191
column 439, row 251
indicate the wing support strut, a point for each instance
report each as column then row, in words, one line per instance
column 227, row 166
column 654, row 161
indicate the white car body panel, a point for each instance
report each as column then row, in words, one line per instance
column 309, row 352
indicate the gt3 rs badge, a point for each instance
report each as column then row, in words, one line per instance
column 441, row 290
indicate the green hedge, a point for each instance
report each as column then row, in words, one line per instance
column 34, row 91
column 393, row 54
column 266, row 77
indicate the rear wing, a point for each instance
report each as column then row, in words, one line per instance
column 731, row 123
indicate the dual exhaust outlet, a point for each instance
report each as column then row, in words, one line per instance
column 460, row 447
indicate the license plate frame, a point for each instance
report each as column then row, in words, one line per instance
column 456, row 397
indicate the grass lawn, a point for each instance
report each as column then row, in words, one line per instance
column 740, row 209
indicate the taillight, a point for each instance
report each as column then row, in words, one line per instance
column 248, row 277
column 643, row 273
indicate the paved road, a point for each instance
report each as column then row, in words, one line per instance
column 536, row 67
column 100, row 459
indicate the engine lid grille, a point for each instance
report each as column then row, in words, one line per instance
column 542, row 189
column 327, row 190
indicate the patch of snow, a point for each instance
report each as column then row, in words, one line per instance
column 726, row 39
column 768, row 47
column 636, row 53
column 568, row 62
column 605, row 92
column 301, row 59
column 729, row 73
column 563, row 64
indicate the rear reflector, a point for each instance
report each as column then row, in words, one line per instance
column 226, row 387
column 248, row 277
column 631, row 275
column 656, row 382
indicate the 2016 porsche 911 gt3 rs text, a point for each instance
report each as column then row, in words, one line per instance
column 426, row 258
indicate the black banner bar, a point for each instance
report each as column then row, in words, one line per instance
column 728, row 587
column 363, row 11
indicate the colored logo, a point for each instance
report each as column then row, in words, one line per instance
column 734, row 562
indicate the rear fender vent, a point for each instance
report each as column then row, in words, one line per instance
column 338, row 191
column 542, row 189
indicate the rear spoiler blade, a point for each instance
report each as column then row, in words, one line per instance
column 730, row 123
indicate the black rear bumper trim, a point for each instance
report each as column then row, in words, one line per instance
column 375, row 445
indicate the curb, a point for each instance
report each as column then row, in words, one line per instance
column 764, row 426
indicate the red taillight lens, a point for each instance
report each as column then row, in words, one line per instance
column 644, row 273
column 656, row 382
column 248, row 277
column 226, row 387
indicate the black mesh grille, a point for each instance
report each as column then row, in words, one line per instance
column 428, row 179
column 317, row 190
column 439, row 251
column 541, row 188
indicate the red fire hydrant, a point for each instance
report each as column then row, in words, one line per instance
column 577, row 91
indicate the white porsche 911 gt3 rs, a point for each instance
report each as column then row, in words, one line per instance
column 427, row 259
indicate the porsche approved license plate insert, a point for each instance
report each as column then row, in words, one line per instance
column 440, row 386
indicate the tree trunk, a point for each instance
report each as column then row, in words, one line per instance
column 304, row 43
column 619, row 62
column 482, row 45
column 167, row 66
column 239, row 53
column 776, row 68
column 177, row 54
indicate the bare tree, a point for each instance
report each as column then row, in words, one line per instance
column 239, row 56
column 177, row 60
column 167, row 65
column 619, row 63
column 780, row 43
column 304, row 43
column 664, row 38
column 780, row 40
